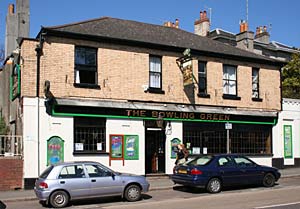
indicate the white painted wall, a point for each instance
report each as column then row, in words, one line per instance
column 128, row 127
column 176, row 131
column 289, row 116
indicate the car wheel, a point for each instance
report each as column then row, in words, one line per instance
column 269, row 180
column 214, row 185
column 59, row 199
column 132, row 193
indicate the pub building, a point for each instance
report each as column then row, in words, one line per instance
column 125, row 93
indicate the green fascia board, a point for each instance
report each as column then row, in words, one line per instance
column 166, row 119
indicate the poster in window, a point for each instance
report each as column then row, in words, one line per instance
column 174, row 149
column 55, row 150
column 131, row 147
column 288, row 145
column 116, row 147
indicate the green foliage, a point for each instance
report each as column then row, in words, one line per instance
column 3, row 128
column 291, row 78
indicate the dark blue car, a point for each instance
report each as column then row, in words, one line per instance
column 216, row 171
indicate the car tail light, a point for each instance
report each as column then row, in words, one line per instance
column 195, row 171
column 43, row 185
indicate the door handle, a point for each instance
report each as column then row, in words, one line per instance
column 93, row 180
column 62, row 182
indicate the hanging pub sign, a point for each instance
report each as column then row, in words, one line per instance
column 55, row 150
column 131, row 147
column 187, row 71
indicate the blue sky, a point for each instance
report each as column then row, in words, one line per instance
column 282, row 15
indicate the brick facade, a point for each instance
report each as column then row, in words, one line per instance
column 123, row 71
column 11, row 173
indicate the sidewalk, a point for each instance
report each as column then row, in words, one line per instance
column 156, row 183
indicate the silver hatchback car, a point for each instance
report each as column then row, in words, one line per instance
column 67, row 181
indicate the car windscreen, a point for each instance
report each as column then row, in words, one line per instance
column 46, row 172
column 203, row 160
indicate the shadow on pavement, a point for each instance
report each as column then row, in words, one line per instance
column 194, row 190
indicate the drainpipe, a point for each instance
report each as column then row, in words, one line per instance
column 39, row 53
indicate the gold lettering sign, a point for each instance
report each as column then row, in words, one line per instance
column 178, row 115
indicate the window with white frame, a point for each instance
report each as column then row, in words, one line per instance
column 229, row 80
column 155, row 75
column 255, row 83
column 85, row 66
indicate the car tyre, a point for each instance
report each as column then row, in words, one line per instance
column 132, row 193
column 269, row 180
column 214, row 185
column 59, row 199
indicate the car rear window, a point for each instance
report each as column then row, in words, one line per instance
column 46, row 172
column 204, row 160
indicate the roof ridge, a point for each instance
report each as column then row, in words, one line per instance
column 77, row 23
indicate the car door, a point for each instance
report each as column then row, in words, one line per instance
column 228, row 171
column 250, row 174
column 103, row 181
column 73, row 179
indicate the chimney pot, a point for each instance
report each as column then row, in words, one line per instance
column 177, row 23
column 265, row 28
column 201, row 15
column 11, row 9
column 204, row 15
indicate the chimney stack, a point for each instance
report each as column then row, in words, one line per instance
column 202, row 26
column 172, row 25
column 244, row 39
column 262, row 35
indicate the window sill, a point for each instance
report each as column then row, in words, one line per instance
column 86, row 85
column 202, row 95
column 257, row 99
column 232, row 97
column 90, row 153
column 155, row 91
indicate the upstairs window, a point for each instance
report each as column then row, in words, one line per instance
column 155, row 74
column 86, row 66
column 255, row 83
column 229, row 80
column 202, row 78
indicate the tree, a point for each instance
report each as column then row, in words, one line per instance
column 291, row 78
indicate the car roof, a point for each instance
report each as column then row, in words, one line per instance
column 75, row 162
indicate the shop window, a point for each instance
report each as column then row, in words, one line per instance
column 155, row 74
column 244, row 139
column 229, row 82
column 89, row 135
column 86, row 67
column 202, row 79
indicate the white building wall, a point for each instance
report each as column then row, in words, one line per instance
column 63, row 127
column 290, row 115
column 127, row 127
column 174, row 132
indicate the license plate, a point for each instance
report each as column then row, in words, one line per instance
column 182, row 171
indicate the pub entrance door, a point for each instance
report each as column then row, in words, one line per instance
column 155, row 161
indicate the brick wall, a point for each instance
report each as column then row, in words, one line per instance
column 11, row 173
column 122, row 73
